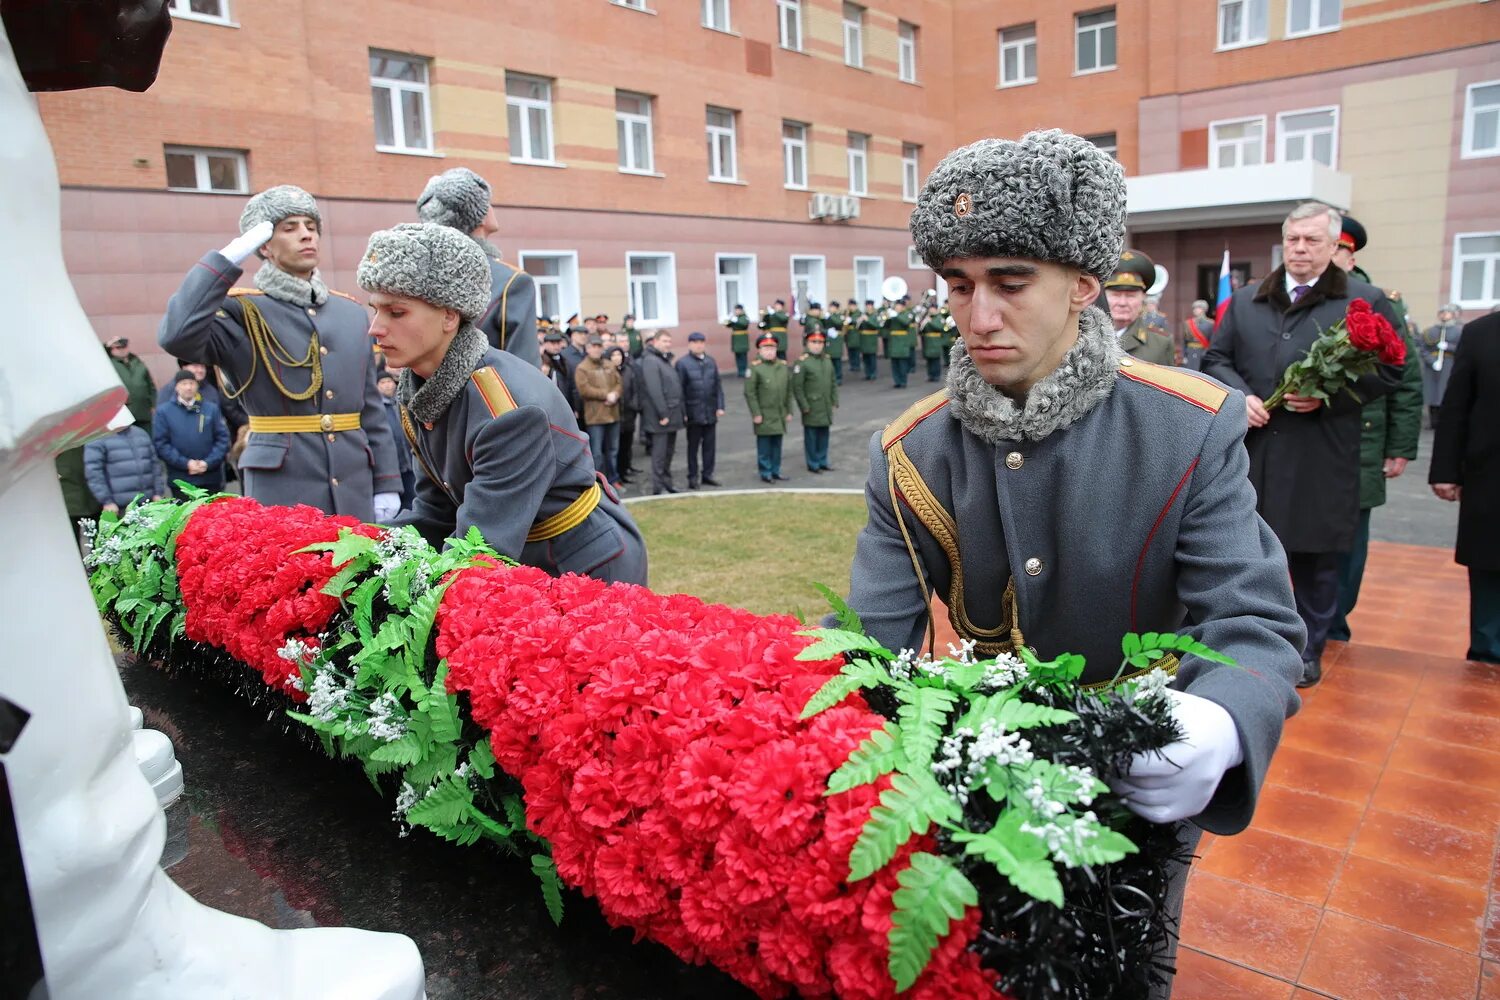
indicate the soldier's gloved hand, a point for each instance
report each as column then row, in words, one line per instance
column 387, row 506
column 1177, row 781
column 244, row 245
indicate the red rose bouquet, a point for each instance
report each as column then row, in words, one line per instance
column 1346, row 351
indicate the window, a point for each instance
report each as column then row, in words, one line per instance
column 555, row 274
column 809, row 281
column 913, row 259
column 789, row 23
column 633, row 131
column 1476, row 270
column 1308, row 135
column 1241, row 22
column 1309, row 17
column 1018, row 55
column 528, row 111
column 859, row 147
column 398, row 89
column 911, row 178
column 206, row 170
column 633, row 5
column 1095, row 38
column 721, row 144
column 1106, row 141
column 202, row 10
column 1238, row 143
column 794, row 155
column 716, row 14
column 906, row 51
column 869, row 274
column 653, row 288
column 736, row 283
column 1482, row 119
column 854, row 35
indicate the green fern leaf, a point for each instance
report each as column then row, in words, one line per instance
column 1105, row 848
column 877, row 754
column 923, row 715
column 830, row 642
column 441, row 708
column 443, row 807
column 848, row 618
column 349, row 546
column 482, row 760
column 1021, row 857
column 906, row 809
column 854, row 676
column 545, row 871
column 406, row 750
column 933, row 893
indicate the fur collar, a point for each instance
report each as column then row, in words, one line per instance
column 490, row 250
column 1081, row 382
column 289, row 288
column 429, row 399
column 1332, row 284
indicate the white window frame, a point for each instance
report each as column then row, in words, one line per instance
column 1468, row 150
column 1097, row 30
column 569, row 296
column 1312, row 29
column 1491, row 270
column 632, row 5
column 1113, row 149
column 631, row 120
column 914, row 260
column 854, row 35
column 711, row 10
column 394, row 89
column 1245, row 9
column 864, row 289
column 906, row 52
column 1019, row 46
column 183, row 9
column 911, row 171
column 858, row 153
column 817, row 284
column 789, row 147
column 1282, row 134
column 714, row 135
column 200, row 155
column 526, row 104
column 789, row 16
column 666, row 291
column 1213, row 143
column 749, row 280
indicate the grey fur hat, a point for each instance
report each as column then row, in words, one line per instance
column 1048, row 196
column 436, row 264
column 277, row 203
column 459, row 198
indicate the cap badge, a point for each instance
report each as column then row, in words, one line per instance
column 963, row 205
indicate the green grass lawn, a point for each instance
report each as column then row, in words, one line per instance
column 762, row 552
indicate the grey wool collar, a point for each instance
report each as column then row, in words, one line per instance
column 490, row 250
column 429, row 399
column 289, row 288
column 1081, row 382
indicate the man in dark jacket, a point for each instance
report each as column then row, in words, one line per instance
column 661, row 408
column 630, row 409
column 137, row 381
column 191, row 437
column 1304, row 460
column 1466, row 468
column 703, row 402
column 122, row 467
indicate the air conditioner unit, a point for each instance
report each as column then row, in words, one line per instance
column 822, row 206
column 849, row 207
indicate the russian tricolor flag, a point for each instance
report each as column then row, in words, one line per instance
column 1222, row 306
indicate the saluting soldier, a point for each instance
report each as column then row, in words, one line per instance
column 869, row 329
column 774, row 321
column 1126, row 294
column 833, row 330
column 934, row 333
column 768, row 394
column 498, row 447
column 898, row 341
column 460, row 198
column 295, row 354
column 739, row 339
column 817, row 395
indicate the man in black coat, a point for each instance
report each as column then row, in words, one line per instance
column 703, row 396
column 1466, row 468
column 1304, row 459
column 662, row 410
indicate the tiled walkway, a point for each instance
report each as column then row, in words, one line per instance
column 1369, row 869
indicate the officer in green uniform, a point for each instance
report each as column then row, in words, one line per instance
column 817, row 394
column 833, row 329
column 739, row 339
column 632, row 336
column 1125, row 292
column 853, row 340
column 898, row 341
column 768, row 393
column 934, row 333
column 774, row 321
column 869, row 326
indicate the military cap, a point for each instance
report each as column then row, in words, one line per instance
column 869, row 302
column 276, row 203
column 834, row 304
column 765, row 339
column 696, row 335
column 779, row 302
column 815, row 335
column 1353, row 236
column 553, row 336
column 573, row 320
column 422, row 260
column 595, row 340
column 1136, row 272
column 601, row 317
column 1049, row 196
column 458, row 198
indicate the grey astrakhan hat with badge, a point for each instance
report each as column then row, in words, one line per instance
column 276, row 203
column 423, row 260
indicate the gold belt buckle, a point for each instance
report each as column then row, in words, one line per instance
column 326, row 422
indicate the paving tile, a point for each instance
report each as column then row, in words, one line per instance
column 1475, row 731
column 1489, row 981
column 1297, row 868
column 1454, row 803
column 1340, row 737
column 1259, row 929
column 1357, row 705
column 1381, row 668
column 1439, row 909
column 1304, row 816
column 1203, row 977
column 1358, row 960
column 1457, row 668
column 1434, row 848
column 1323, row 774
column 1440, row 693
column 1447, row 761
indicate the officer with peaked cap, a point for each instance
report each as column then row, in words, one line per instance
column 1125, row 295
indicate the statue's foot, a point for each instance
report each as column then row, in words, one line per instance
column 158, row 762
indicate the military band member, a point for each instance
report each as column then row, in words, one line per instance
column 1125, row 292
column 461, row 198
column 817, row 396
column 869, row 331
column 496, row 443
column 774, row 321
column 739, row 339
column 934, row 333
column 833, row 329
column 950, row 335
column 294, row 353
column 898, row 339
column 812, row 322
column 853, row 338
column 633, row 343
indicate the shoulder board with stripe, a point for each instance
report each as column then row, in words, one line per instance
column 493, row 390
column 912, row 416
column 237, row 291
column 1175, row 382
column 342, row 295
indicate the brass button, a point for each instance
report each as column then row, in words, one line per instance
column 326, row 422
column 1126, row 361
column 327, row 393
column 1014, row 460
column 334, row 481
column 311, row 311
column 323, row 350
column 331, row 438
column 1033, row 566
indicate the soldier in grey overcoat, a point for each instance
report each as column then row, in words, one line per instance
column 460, row 198
column 297, row 356
column 1059, row 494
column 495, row 440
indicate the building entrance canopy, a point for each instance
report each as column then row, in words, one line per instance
column 1205, row 199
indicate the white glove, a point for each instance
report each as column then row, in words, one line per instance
column 387, row 506
column 1177, row 781
column 243, row 246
